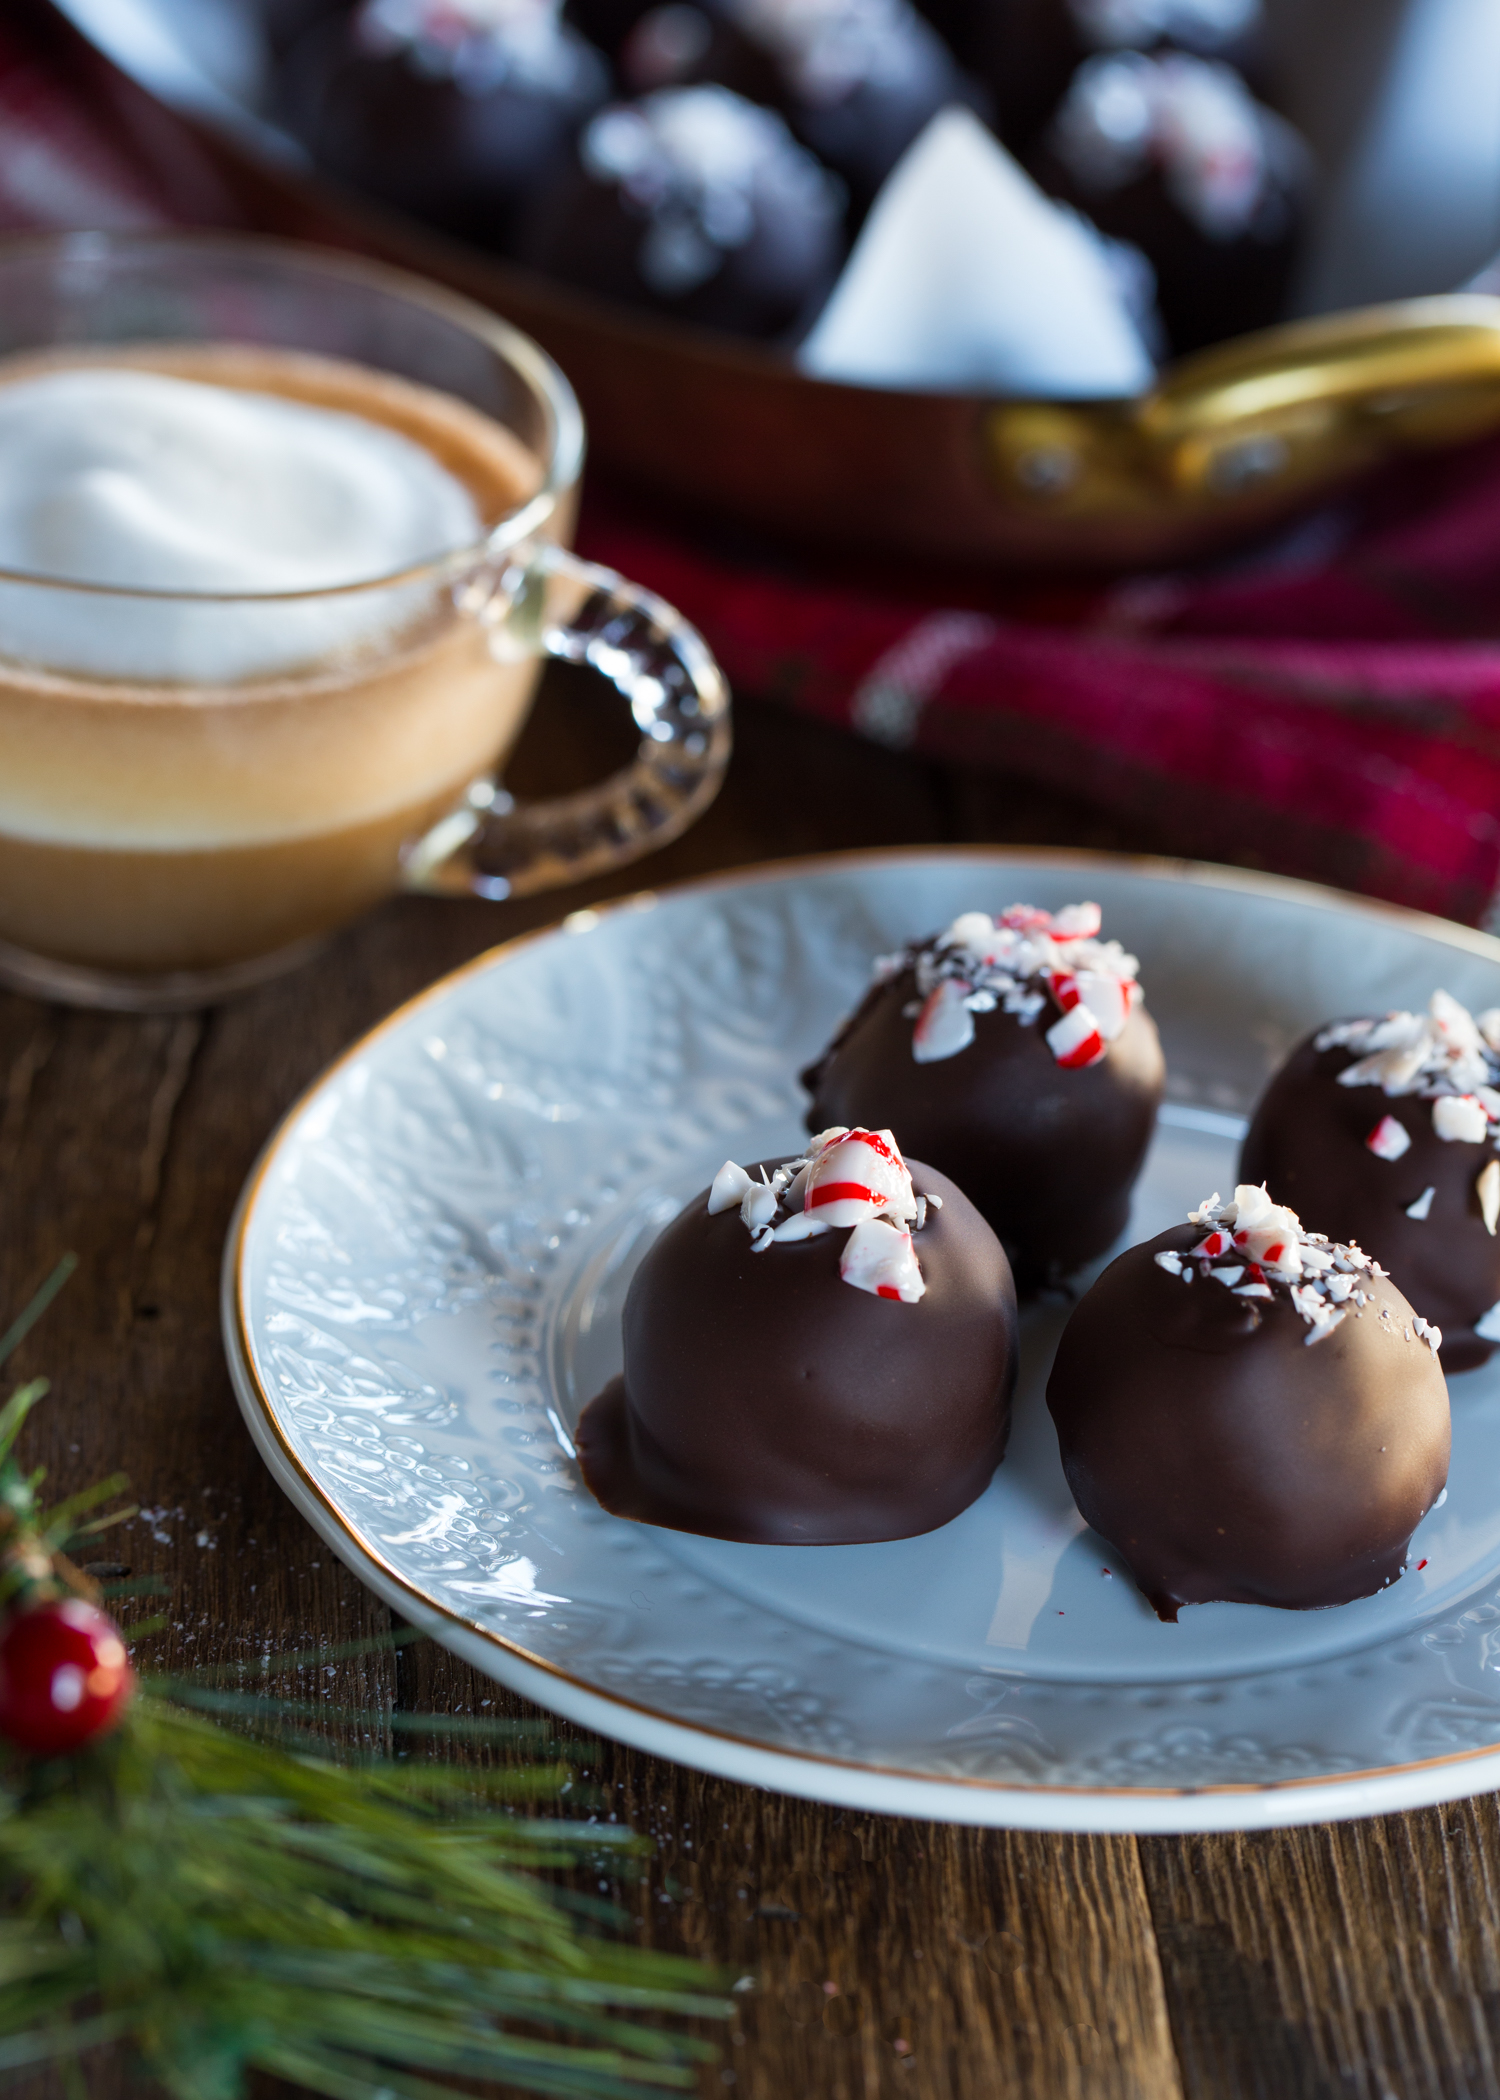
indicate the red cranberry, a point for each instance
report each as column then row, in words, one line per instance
column 64, row 1676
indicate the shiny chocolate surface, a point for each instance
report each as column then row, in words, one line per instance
column 1049, row 1156
column 764, row 1398
column 1307, row 1143
column 1225, row 1457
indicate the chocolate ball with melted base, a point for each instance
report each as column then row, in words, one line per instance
column 1419, row 1212
column 1227, row 1458
column 1048, row 1152
column 765, row 1399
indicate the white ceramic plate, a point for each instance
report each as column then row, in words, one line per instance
column 423, row 1288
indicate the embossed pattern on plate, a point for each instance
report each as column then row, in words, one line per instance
column 424, row 1284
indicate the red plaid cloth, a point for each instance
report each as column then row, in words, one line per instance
column 1330, row 708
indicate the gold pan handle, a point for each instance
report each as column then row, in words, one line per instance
column 1262, row 424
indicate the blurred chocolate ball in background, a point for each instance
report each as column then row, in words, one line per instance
column 1173, row 154
column 856, row 80
column 696, row 203
column 456, row 111
column 1027, row 51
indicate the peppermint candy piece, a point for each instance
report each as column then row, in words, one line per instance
column 945, row 1025
column 759, row 1205
column 974, row 931
column 729, row 1188
column 1075, row 1040
column 1076, row 922
column 1487, row 1189
column 880, row 1259
column 980, row 964
column 1442, row 1053
column 1316, row 1273
column 1107, row 999
column 1389, row 1139
column 855, row 1179
column 860, row 1175
column 1266, row 1232
column 1460, row 1119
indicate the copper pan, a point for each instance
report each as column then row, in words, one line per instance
column 1230, row 441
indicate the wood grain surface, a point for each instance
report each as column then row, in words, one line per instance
column 882, row 1957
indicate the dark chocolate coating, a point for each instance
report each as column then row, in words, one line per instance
column 1049, row 1156
column 606, row 23
column 589, row 231
column 1207, row 290
column 904, row 76
column 861, row 132
column 766, row 1399
column 1306, row 1142
column 1028, row 50
column 1226, row 1460
column 457, row 155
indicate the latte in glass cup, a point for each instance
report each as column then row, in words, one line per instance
column 283, row 545
column 190, row 780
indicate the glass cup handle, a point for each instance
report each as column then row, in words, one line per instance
column 547, row 602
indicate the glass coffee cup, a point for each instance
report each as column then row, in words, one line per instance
column 167, row 837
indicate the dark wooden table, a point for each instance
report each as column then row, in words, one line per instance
column 1360, row 1959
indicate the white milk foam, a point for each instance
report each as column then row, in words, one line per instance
column 146, row 482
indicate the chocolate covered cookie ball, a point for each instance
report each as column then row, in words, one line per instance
column 1250, row 1413
column 856, row 80
column 1028, row 50
column 1388, row 1130
column 695, row 203
column 605, row 23
column 457, row 111
column 817, row 1352
column 1018, row 1057
column 1173, row 155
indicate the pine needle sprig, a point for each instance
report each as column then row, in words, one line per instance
column 223, row 1903
column 218, row 1890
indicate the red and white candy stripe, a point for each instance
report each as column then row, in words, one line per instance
column 1389, row 1139
column 881, row 1259
column 857, row 1176
column 1076, row 1040
column 945, row 1025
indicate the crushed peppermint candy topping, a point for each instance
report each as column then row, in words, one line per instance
column 1448, row 1056
column 1255, row 1247
column 1389, row 1139
column 846, row 1178
column 1017, row 964
column 1487, row 1189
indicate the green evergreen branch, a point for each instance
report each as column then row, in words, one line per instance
column 227, row 1907
column 220, row 1900
column 18, row 1330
